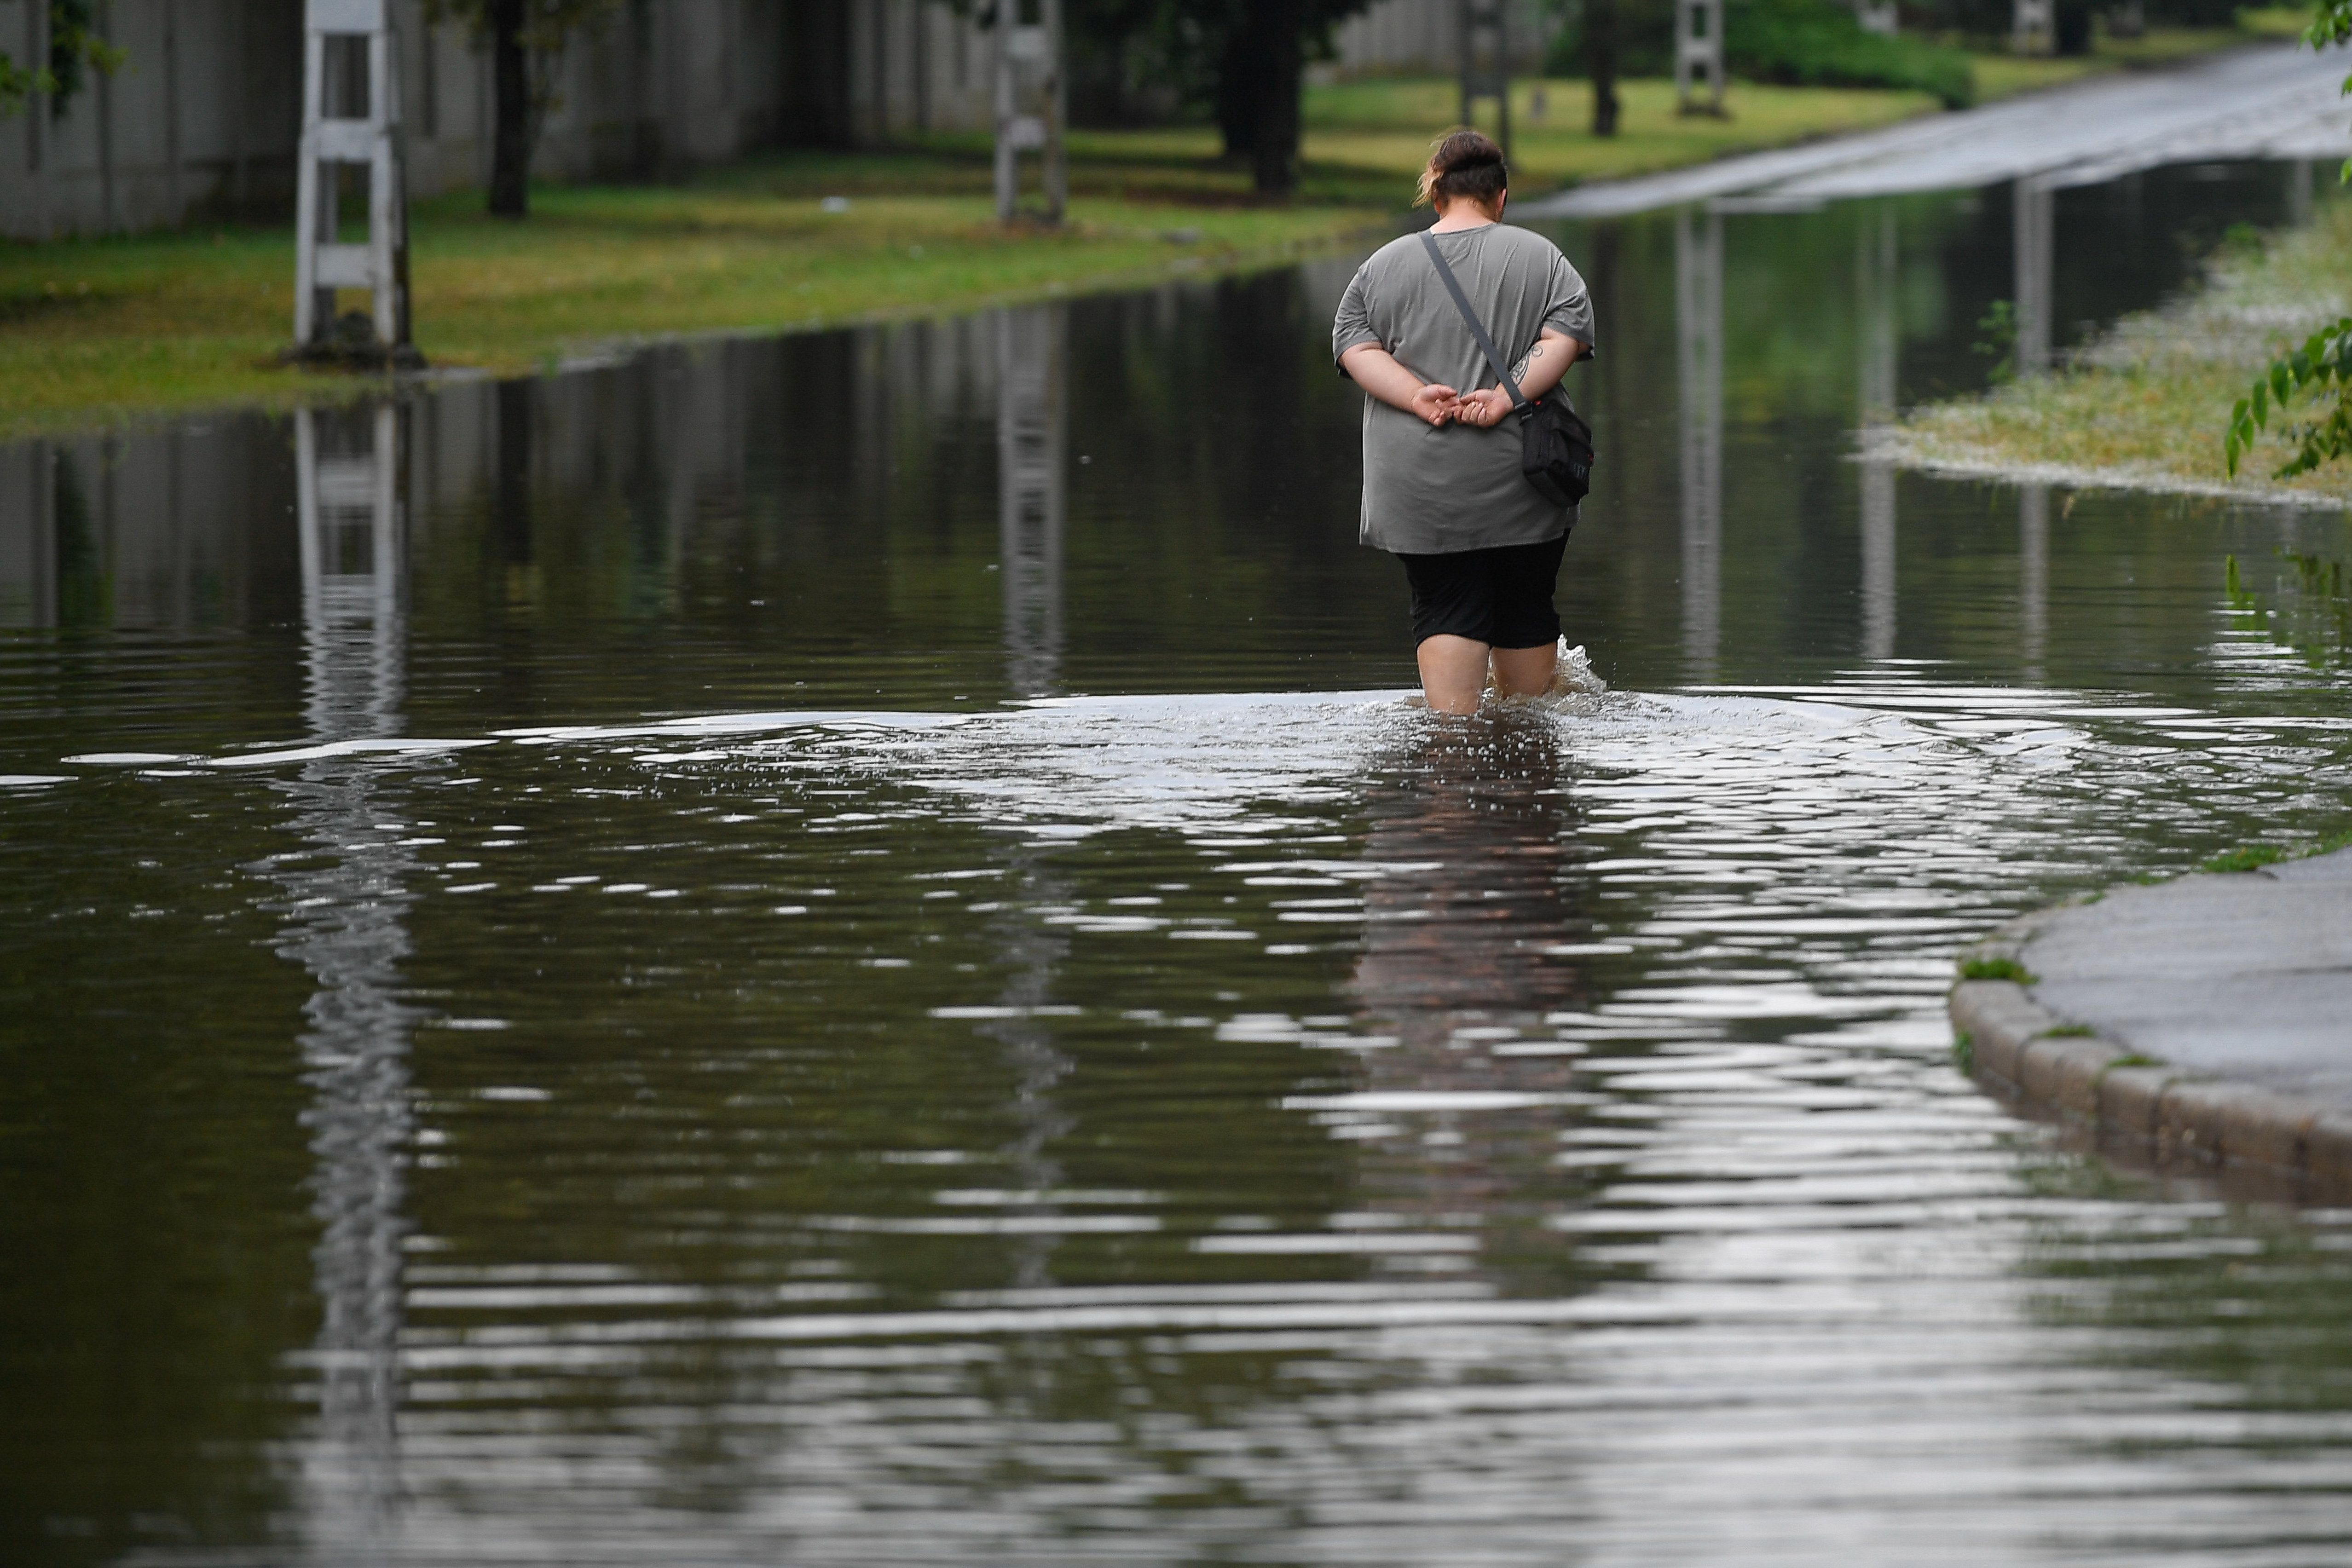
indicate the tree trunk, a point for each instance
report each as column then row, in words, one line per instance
column 1238, row 93
column 1600, row 63
column 1278, row 64
column 510, row 143
column 2071, row 27
column 514, row 473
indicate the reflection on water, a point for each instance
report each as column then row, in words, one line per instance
column 763, row 955
column 1879, row 275
column 1698, row 361
column 1468, row 954
column 2035, row 215
column 1031, row 475
column 348, row 894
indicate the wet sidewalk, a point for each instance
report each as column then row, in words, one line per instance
column 2206, row 1022
column 2271, row 100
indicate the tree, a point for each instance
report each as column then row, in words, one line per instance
column 2323, row 359
column 1600, row 63
column 527, row 40
column 74, row 50
column 1247, row 57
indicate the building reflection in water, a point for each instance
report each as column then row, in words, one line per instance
column 1698, row 342
column 1463, row 961
column 1032, row 415
column 346, row 891
column 1876, row 255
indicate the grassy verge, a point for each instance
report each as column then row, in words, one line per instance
column 2146, row 406
column 97, row 330
column 2000, row 75
column 91, row 331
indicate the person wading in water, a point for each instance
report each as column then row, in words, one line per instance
column 1442, row 487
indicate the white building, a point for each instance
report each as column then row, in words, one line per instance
column 205, row 116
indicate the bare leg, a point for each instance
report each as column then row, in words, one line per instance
column 1526, row 672
column 1453, row 672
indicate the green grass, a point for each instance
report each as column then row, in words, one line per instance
column 1382, row 127
column 1996, row 969
column 98, row 329
column 2147, row 404
column 1964, row 1054
column 2275, row 21
column 92, row 328
column 2255, row 856
column 2071, row 1031
column 2246, row 857
column 2002, row 75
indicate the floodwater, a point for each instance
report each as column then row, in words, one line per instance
column 842, row 951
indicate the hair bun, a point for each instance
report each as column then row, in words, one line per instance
column 1464, row 162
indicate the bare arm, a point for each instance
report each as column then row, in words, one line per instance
column 1383, row 376
column 1539, row 373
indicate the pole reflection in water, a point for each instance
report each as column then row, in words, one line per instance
column 1698, row 321
column 346, row 891
column 2034, row 225
column 1462, row 962
column 1032, row 355
column 1032, row 367
column 2034, row 585
column 1875, row 268
column 1030, row 953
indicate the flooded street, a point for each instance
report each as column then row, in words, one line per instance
column 844, row 950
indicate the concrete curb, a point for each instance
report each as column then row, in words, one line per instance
column 2137, row 1109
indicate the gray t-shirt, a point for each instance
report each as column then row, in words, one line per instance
column 1438, row 490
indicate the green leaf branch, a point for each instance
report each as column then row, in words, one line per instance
column 2323, row 359
column 76, row 49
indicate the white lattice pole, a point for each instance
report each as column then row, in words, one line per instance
column 1698, row 54
column 1031, row 105
column 334, row 135
column 2033, row 27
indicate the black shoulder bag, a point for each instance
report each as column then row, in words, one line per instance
column 1555, row 445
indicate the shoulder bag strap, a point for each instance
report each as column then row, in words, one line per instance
column 1478, row 328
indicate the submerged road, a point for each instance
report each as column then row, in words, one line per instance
column 2269, row 101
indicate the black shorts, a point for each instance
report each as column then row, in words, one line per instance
column 1500, row 596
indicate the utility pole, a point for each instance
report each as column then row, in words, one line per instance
column 1486, row 63
column 337, row 131
column 1032, row 106
column 1699, row 54
column 2033, row 27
